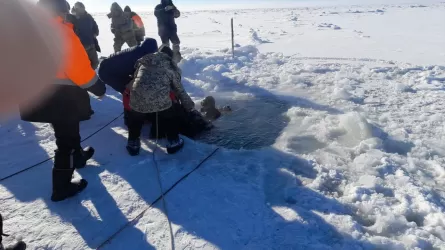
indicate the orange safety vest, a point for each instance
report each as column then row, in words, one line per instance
column 76, row 68
column 138, row 21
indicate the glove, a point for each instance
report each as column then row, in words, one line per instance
column 170, row 7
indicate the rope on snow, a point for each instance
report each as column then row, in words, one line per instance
column 40, row 163
column 139, row 216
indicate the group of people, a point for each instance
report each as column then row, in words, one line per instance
column 127, row 26
column 147, row 76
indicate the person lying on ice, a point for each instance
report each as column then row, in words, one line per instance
column 155, row 77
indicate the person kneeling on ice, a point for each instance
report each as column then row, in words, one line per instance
column 155, row 77
column 66, row 104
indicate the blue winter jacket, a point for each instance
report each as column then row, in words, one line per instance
column 118, row 69
column 86, row 29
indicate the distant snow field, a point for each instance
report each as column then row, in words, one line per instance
column 336, row 141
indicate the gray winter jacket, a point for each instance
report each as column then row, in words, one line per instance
column 156, row 75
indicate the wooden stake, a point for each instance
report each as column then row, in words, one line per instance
column 233, row 40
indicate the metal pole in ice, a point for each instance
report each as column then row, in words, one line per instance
column 233, row 39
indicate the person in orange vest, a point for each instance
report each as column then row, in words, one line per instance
column 66, row 105
column 139, row 25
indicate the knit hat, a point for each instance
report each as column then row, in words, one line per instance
column 149, row 45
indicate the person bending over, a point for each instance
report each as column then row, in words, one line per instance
column 156, row 76
column 117, row 70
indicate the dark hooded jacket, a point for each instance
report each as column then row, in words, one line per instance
column 127, row 9
column 166, row 19
column 117, row 70
column 138, row 23
column 86, row 28
column 121, row 22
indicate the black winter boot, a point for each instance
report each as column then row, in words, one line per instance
column 175, row 145
column 81, row 157
column 63, row 171
column 63, row 187
column 134, row 146
column 17, row 246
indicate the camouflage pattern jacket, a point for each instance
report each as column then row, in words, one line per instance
column 121, row 22
column 156, row 75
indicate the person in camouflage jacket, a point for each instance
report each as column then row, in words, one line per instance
column 122, row 26
column 156, row 76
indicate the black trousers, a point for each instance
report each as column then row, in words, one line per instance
column 167, row 122
column 67, row 140
column 170, row 36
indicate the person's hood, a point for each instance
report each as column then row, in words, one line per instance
column 115, row 10
column 166, row 50
column 127, row 9
column 159, row 60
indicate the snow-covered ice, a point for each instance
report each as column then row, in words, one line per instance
column 336, row 141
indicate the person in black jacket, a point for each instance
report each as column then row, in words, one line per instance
column 166, row 12
column 87, row 30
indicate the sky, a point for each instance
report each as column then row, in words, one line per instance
column 148, row 5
